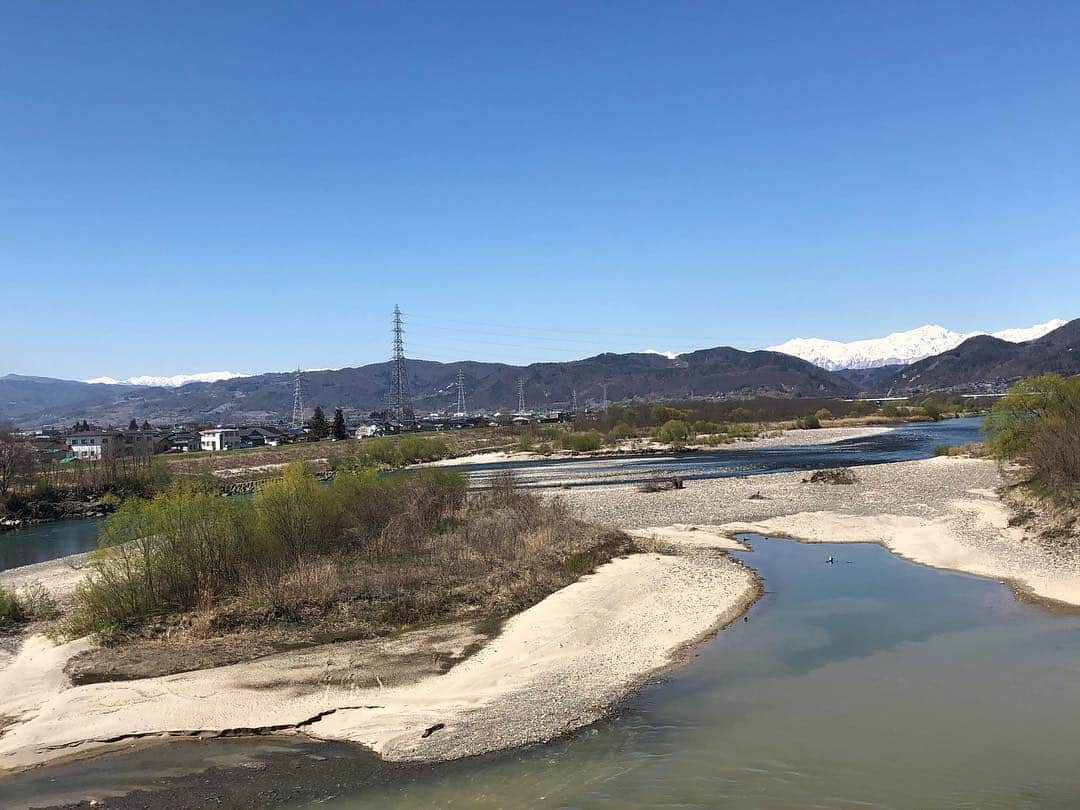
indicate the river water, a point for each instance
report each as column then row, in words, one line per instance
column 47, row 541
column 872, row 682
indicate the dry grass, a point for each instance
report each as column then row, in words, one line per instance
column 404, row 551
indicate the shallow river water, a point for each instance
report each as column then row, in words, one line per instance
column 873, row 682
column 47, row 541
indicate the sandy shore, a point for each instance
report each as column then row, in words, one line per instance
column 60, row 576
column 787, row 438
column 942, row 512
column 554, row 668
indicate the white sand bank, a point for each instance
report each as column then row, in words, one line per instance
column 942, row 512
column 555, row 667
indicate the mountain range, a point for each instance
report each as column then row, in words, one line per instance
column 899, row 347
column 170, row 381
column 980, row 363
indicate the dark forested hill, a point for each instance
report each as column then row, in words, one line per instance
column 268, row 397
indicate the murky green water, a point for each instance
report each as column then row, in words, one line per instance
column 873, row 682
column 47, row 541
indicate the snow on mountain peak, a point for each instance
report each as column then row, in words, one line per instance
column 169, row 381
column 898, row 347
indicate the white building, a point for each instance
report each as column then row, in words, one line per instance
column 97, row 444
column 219, row 439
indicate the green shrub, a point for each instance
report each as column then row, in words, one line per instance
column 717, row 439
column 660, row 414
column 186, row 548
column 823, row 414
column 674, row 432
column 810, row 422
column 392, row 452
column 12, row 610
column 584, row 442
column 1038, row 420
column 620, row 431
column 741, row 431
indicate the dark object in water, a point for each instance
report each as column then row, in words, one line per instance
column 431, row 730
column 841, row 475
column 829, row 561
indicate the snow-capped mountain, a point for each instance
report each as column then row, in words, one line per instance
column 898, row 347
column 174, row 381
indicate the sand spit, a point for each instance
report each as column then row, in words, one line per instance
column 554, row 668
column 60, row 576
column 787, row 438
column 943, row 512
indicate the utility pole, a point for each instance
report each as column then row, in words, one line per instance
column 521, row 395
column 460, row 391
column 298, row 400
column 397, row 400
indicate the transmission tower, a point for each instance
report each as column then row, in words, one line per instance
column 298, row 400
column 398, row 405
column 573, row 401
column 521, row 395
column 460, row 391
column 603, row 387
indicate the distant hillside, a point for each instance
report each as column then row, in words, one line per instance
column 25, row 398
column 988, row 363
column 268, row 397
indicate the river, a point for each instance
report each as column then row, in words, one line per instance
column 873, row 682
column 47, row 541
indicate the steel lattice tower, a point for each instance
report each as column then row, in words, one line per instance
column 298, row 401
column 460, row 391
column 398, row 405
column 521, row 395
column 573, row 401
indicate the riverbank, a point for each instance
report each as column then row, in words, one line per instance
column 564, row 662
column 944, row 512
column 634, row 447
column 553, row 668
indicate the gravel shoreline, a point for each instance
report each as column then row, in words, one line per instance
column 943, row 512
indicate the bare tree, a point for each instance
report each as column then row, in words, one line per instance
column 16, row 459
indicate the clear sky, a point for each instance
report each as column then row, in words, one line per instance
column 193, row 187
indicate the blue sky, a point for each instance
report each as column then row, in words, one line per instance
column 189, row 187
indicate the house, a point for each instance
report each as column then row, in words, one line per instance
column 366, row 431
column 219, row 439
column 98, row 444
column 260, row 436
column 180, row 441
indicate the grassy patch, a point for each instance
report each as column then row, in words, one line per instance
column 368, row 554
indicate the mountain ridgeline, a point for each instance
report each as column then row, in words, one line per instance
column 984, row 362
column 980, row 364
column 269, row 397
